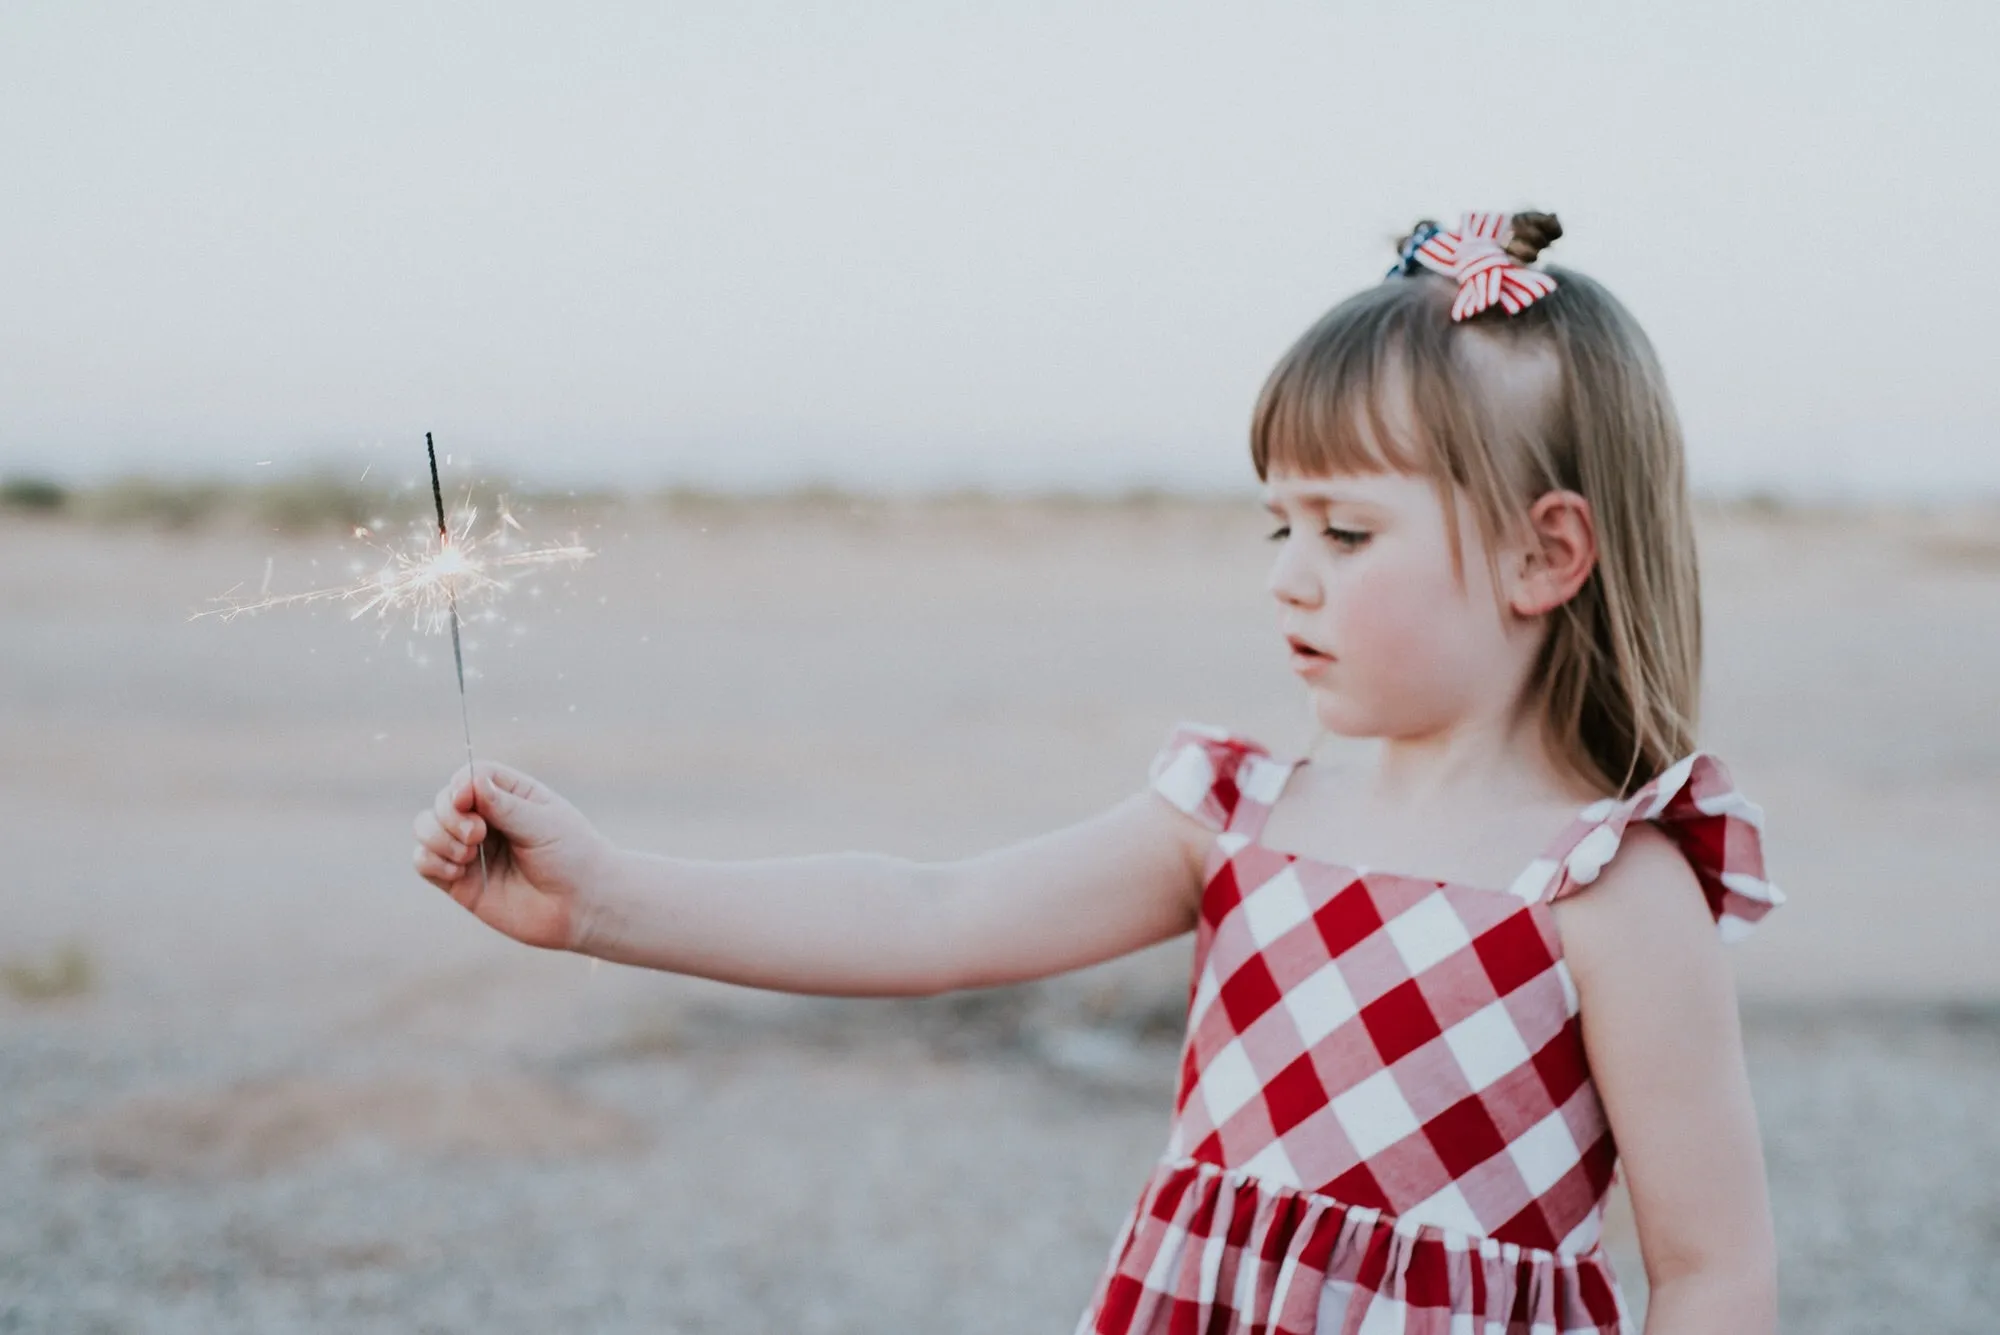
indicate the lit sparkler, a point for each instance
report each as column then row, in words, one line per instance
column 443, row 567
column 428, row 578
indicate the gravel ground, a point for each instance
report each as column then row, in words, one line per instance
column 1884, row 1155
column 956, row 1165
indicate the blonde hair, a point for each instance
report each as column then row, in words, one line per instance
column 1566, row 395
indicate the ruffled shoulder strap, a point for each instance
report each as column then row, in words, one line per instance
column 1224, row 780
column 1720, row 831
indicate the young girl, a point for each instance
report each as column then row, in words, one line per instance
column 1437, row 996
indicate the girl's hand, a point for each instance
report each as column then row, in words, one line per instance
column 542, row 856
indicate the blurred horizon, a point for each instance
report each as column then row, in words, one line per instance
column 316, row 486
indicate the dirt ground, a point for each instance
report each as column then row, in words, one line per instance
column 259, row 1078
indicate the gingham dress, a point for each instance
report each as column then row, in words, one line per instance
column 1385, row 1121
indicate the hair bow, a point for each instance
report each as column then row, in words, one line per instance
column 1475, row 256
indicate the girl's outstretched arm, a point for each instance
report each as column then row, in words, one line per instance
column 1666, row 1053
column 850, row 924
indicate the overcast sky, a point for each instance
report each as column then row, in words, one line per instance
column 929, row 242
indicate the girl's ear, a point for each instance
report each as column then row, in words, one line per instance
column 1559, row 552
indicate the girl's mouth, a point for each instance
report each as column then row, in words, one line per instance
column 1306, row 660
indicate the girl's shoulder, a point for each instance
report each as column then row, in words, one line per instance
column 1693, row 807
column 1209, row 772
column 1692, row 811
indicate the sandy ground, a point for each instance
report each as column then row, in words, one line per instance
column 259, row 1078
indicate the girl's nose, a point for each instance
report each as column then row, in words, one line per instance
column 1291, row 582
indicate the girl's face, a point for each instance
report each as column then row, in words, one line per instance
column 1389, row 638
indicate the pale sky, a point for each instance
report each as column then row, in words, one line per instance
column 926, row 243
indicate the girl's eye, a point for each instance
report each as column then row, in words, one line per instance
column 1345, row 537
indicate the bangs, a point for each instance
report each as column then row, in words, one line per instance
column 1366, row 390
column 1386, row 383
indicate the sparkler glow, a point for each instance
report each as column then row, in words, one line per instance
column 424, row 578
column 428, row 578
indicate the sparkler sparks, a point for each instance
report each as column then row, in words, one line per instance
column 423, row 576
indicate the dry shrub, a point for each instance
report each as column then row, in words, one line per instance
column 66, row 972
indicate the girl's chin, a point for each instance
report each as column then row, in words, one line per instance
column 1339, row 716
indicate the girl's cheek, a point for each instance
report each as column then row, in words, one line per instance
column 1387, row 616
column 1401, row 640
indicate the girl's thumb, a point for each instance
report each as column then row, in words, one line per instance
column 512, row 814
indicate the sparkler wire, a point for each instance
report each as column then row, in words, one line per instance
column 457, row 654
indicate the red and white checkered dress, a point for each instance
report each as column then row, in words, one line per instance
column 1385, row 1120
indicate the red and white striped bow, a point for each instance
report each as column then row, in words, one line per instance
column 1475, row 257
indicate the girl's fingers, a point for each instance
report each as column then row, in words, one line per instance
column 454, row 821
column 438, row 841
column 435, row 869
column 460, row 789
